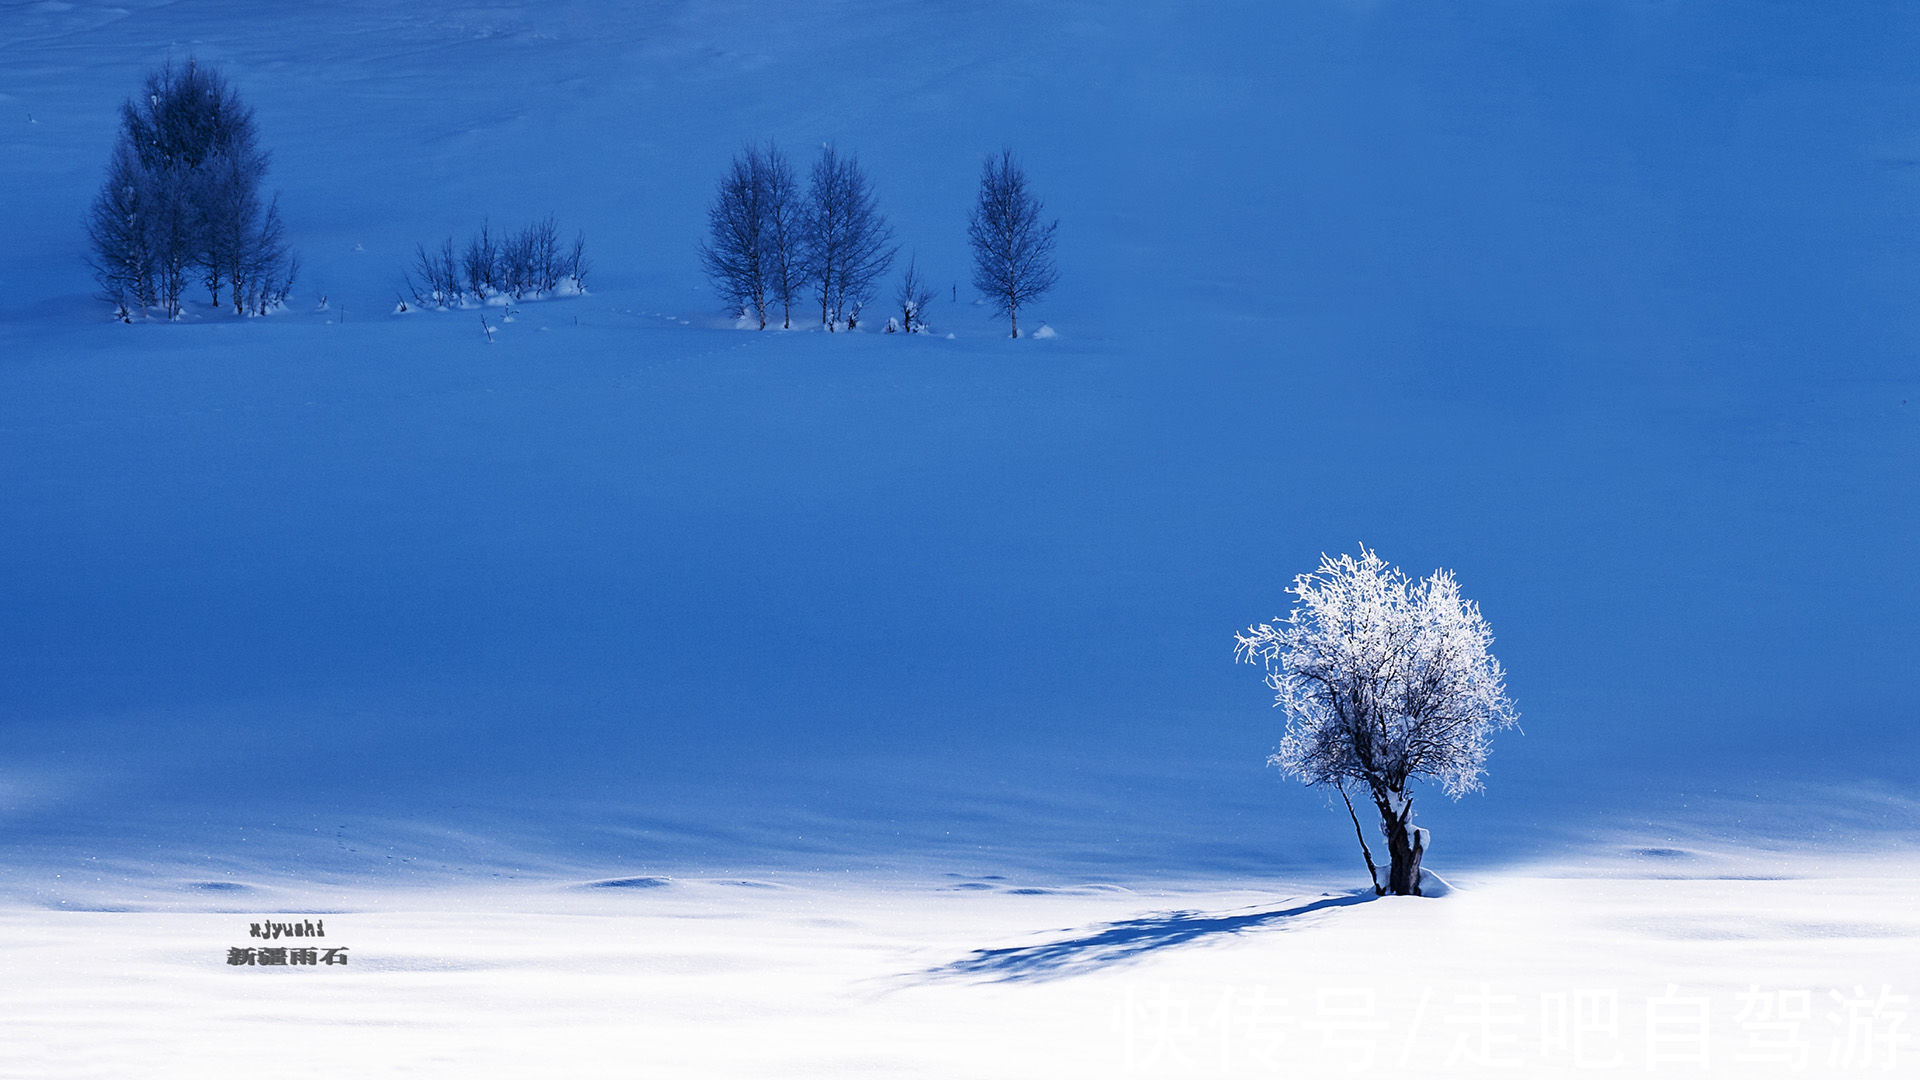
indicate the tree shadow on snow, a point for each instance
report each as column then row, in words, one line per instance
column 1125, row 941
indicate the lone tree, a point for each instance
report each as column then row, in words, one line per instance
column 847, row 243
column 1012, row 249
column 182, row 201
column 1383, row 679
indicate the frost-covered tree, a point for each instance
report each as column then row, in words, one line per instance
column 735, row 253
column 1383, row 679
column 1012, row 248
column 182, row 200
column 848, row 244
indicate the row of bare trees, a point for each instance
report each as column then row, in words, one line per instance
column 770, row 244
column 182, row 205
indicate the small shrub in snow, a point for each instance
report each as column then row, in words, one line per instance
column 1383, row 680
column 525, row 265
column 913, row 298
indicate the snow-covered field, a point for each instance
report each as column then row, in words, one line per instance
column 1662, row 964
column 905, row 666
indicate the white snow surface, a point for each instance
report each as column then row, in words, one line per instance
column 344, row 614
column 982, row 976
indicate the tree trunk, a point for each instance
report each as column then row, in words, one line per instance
column 1406, row 845
column 1373, row 872
column 1013, row 315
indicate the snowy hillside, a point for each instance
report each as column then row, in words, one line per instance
column 1608, row 309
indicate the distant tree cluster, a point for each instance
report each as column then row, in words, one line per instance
column 522, row 265
column 768, row 243
column 181, row 204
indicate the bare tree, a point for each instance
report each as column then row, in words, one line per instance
column 736, row 248
column 914, row 296
column 1012, row 249
column 438, row 276
column 263, row 268
column 232, row 215
column 573, row 269
column 848, row 243
column 541, row 243
column 122, row 258
column 244, row 241
column 785, row 261
column 172, row 229
column 480, row 262
column 514, row 272
column 1383, row 680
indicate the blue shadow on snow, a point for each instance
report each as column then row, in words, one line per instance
column 1124, row 941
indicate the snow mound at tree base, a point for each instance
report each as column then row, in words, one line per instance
column 1432, row 885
